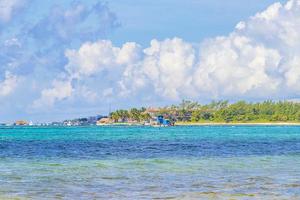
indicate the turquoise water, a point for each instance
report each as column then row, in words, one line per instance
column 218, row 162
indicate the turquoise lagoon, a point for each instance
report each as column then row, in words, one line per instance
column 213, row 162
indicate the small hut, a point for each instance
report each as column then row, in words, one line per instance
column 103, row 121
column 21, row 123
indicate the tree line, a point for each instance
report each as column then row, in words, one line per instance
column 218, row 111
column 133, row 114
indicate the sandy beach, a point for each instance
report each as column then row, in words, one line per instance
column 237, row 124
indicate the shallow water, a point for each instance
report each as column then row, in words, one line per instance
column 220, row 162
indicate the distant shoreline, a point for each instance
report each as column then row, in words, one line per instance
column 178, row 124
column 238, row 124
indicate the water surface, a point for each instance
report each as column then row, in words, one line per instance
column 218, row 162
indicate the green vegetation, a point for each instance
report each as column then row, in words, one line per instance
column 219, row 112
column 134, row 114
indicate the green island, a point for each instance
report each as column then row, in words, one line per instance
column 216, row 112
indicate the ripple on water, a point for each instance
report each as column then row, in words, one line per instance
column 144, row 163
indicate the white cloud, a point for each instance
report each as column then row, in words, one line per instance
column 60, row 90
column 89, row 95
column 9, row 83
column 12, row 42
column 236, row 66
column 76, row 23
column 166, row 67
column 8, row 7
column 99, row 59
column 173, row 60
column 258, row 60
column 292, row 75
column 271, row 13
column 92, row 58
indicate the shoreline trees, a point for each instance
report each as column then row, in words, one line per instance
column 217, row 111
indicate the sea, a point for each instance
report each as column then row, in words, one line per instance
column 127, row 162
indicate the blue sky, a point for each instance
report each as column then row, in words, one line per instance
column 72, row 58
column 193, row 20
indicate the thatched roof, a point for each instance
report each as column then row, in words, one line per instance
column 21, row 122
column 103, row 121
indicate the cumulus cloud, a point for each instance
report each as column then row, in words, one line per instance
column 166, row 66
column 60, row 90
column 77, row 23
column 8, row 8
column 258, row 60
column 71, row 62
column 33, row 48
column 9, row 83
column 92, row 58
column 100, row 59
column 237, row 66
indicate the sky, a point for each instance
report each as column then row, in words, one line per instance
column 75, row 58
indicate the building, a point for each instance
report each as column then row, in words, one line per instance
column 165, row 122
column 104, row 121
column 153, row 112
column 21, row 123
